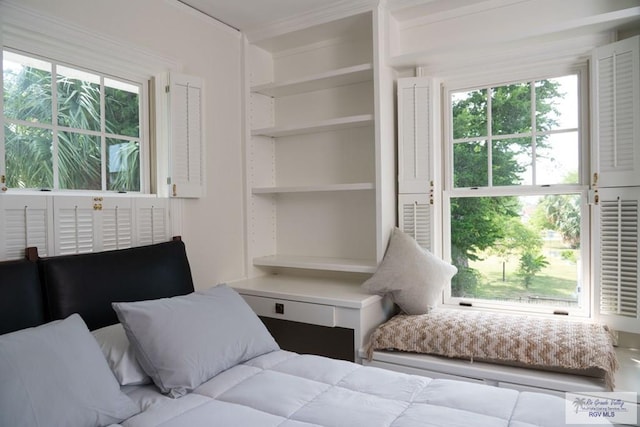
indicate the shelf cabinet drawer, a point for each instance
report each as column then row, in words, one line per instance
column 316, row 314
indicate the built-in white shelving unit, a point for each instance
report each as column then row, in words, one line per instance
column 320, row 164
column 314, row 172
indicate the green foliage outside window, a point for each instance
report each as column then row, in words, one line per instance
column 68, row 151
column 493, row 134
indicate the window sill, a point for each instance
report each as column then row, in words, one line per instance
column 74, row 193
column 524, row 309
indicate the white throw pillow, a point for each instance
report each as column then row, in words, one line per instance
column 55, row 375
column 115, row 346
column 413, row 276
column 183, row 341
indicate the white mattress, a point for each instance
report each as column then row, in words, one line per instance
column 290, row 390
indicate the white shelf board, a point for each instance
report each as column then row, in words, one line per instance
column 339, row 292
column 319, row 126
column 334, row 78
column 314, row 188
column 317, row 263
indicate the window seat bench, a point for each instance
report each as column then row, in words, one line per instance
column 516, row 351
column 499, row 375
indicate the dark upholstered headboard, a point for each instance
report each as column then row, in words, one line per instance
column 56, row 287
column 21, row 300
column 87, row 284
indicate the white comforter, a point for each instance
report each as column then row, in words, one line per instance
column 290, row 390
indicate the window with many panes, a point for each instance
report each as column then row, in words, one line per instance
column 516, row 215
column 66, row 128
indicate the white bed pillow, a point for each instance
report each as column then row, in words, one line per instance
column 413, row 276
column 115, row 346
column 55, row 375
column 183, row 341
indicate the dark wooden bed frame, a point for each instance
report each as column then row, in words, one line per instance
column 37, row 290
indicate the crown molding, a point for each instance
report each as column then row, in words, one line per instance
column 318, row 16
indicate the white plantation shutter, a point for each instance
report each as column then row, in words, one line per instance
column 75, row 226
column 414, row 135
column 63, row 225
column 24, row 222
column 617, row 108
column 152, row 221
column 417, row 188
column 415, row 218
column 616, row 155
column 186, row 158
column 618, row 257
column 89, row 224
column 117, row 224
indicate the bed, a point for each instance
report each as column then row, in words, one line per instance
column 121, row 338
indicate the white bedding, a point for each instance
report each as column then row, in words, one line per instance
column 290, row 390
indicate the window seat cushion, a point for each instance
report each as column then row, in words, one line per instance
column 536, row 342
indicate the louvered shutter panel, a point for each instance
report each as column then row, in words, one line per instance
column 414, row 135
column 186, row 145
column 152, row 221
column 24, row 222
column 618, row 257
column 75, row 225
column 415, row 218
column 117, row 224
column 617, row 108
column 415, row 153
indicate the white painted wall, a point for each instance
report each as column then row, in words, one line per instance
column 212, row 227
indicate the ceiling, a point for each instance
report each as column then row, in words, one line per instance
column 246, row 15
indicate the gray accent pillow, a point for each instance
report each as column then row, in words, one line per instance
column 183, row 341
column 411, row 275
column 55, row 375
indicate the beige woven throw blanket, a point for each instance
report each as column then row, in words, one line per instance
column 503, row 338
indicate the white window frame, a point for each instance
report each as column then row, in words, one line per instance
column 449, row 192
column 55, row 128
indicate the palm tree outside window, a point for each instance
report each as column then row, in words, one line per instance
column 66, row 128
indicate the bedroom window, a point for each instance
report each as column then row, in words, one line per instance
column 515, row 204
column 68, row 128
